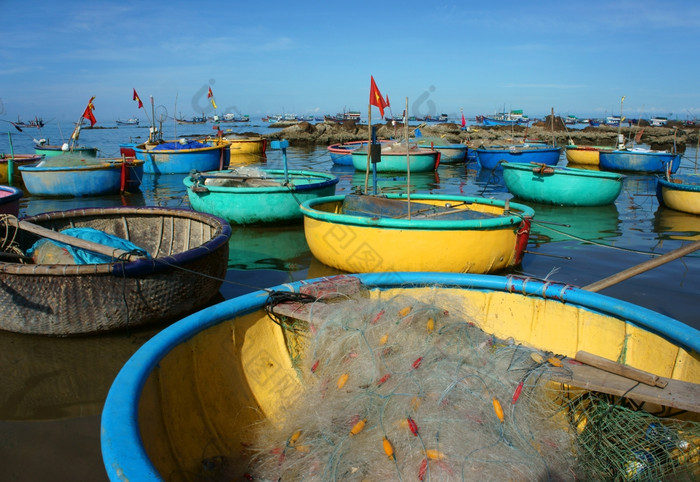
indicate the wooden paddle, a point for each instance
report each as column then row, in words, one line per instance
column 79, row 243
column 642, row 267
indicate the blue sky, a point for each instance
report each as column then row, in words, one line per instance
column 272, row 57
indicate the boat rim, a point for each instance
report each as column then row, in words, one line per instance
column 103, row 163
column 681, row 186
column 308, row 210
column 327, row 180
column 564, row 169
column 138, row 267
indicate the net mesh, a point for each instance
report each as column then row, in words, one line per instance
column 400, row 389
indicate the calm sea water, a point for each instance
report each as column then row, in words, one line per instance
column 53, row 389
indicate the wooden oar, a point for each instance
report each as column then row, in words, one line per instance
column 642, row 267
column 79, row 243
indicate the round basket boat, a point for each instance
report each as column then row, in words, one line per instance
column 188, row 258
column 185, row 405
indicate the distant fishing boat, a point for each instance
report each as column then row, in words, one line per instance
column 9, row 200
column 680, row 192
column 133, row 121
column 564, row 186
column 431, row 232
column 75, row 176
column 658, row 121
column 179, row 157
column 491, row 157
column 37, row 123
column 639, row 160
column 256, row 196
column 394, row 158
column 194, row 120
column 585, row 155
column 513, row 117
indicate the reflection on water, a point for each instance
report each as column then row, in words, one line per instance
column 46, row 378
column 275, row 247
column 672, row 224
column 565, row 223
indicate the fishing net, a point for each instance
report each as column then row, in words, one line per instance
column 69, row 160
column 399, row 389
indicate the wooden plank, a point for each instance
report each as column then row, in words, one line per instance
column 675, row 394
column 620, row 369
column 78, row 243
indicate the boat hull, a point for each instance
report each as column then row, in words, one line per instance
column 341, row 154
column 86, row 180
column 452, row 153
column 188, row 395
column 17, row 160
column 490, row 158
column 421, row 160
column 264, row 204
column 681, row 193
column 189, row 251
column 181, row 161
column 9, row 200
column 562, row 185
column 639, row 161
column 355, row 243
column 584, row 155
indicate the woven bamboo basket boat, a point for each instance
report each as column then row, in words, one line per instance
column 189, row 253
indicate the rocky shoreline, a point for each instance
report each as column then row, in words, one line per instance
column 327, row 133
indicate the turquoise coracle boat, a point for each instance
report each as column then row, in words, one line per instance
column 256, row 196
column 492, row 157
column 394, row 159
column 564, row 186
column 179, row 157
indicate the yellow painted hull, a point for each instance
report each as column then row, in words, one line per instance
column 584, row 156
column 364, row 248
column 685, row 201
column 200, row 397
column 255, row 145
column 17, row 161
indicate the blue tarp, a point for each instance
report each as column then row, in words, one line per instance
column 177, row 146
column 82, row 256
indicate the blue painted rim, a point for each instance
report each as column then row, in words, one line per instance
column 123, row 453
column 324, row 180
column 682, row 186
column 307, row 209
column 564, row 170
column 15, row 193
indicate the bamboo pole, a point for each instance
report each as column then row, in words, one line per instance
column 79, row 243
column 408, row 163
column 642, row 267
column 369, row 144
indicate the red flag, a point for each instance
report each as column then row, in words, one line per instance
column 210, row 94
column 464, row 121
column 375, row 97
column 136, row 97
column 387, row 100
column 88, row 112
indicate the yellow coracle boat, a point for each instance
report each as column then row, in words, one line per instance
column 436, row 233
column 241, row 149
column 188, row 404
column 585, row 155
